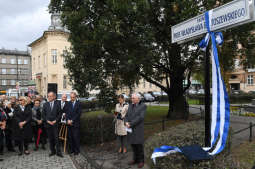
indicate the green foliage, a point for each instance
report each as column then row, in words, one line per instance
column 96, row 129
column 115, row 43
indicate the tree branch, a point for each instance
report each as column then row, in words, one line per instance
column 143, row 75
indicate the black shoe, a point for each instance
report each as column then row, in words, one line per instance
column 76, row 153
column 36, row 148
column 43, row 147
column 1, row 153
column 20, row 153
column 1, row 159
column 52, row 154
column 11, row 150
column 60, row 155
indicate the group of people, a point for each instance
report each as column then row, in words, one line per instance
column 129, row 127
column 35, row 120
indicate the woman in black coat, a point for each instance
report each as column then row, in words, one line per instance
column 22, row 125
column 9, row 126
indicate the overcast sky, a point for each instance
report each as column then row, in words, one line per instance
column 22, row 22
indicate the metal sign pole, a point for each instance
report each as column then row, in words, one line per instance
column 207, row 98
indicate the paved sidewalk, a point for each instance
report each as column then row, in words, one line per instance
column 36, row 160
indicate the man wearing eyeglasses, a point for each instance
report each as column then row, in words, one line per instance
column 73, row 115
column 134, row 121
column 51, row 116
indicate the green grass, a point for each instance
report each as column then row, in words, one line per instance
column 190, row 101
column 94, row 113
column 153, row 113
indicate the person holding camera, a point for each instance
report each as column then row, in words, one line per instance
column 120, row 128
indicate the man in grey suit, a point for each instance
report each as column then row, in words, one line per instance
column 134, row 121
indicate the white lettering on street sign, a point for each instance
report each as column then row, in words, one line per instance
column 226, row 16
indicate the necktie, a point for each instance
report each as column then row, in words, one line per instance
column 51, row 105
column 63, row 104
column 73, row 104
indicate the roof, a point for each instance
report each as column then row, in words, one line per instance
column 47, row 32
column 14, row 52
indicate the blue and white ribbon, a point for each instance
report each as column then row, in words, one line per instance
column 220, row 115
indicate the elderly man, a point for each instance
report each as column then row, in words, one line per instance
column 63, row 103
column 134, row 121
column 73, row 115
column 51, row 116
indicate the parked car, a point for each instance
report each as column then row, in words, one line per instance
column 237, row 92
column 164, row 94
column 125, row 96
column 148, row 97
column 59, row 96
column 192, row 91
column 92, row 98
column 251, row 92
column 201, row 91
column 82, row 99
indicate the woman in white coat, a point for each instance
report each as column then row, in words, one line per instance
column 120, row 128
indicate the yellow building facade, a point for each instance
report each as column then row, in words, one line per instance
column 47, row 59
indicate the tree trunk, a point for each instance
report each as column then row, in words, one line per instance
column 177, row 103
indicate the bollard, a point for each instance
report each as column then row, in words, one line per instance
column 250, row 139
column 101, row 129
column 163, row 124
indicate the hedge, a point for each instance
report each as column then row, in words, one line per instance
column 233, row 98
column 189, row 133
column 97, row 129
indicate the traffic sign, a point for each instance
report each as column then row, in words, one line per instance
column 230, row 15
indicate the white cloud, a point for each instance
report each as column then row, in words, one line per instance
column 17, row 31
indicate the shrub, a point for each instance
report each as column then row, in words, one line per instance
column 233, row 98
column 97, row 129
column 185, row 134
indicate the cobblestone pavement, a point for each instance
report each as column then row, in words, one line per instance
column 35, row 160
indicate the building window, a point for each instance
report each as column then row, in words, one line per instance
column 13, row 71
column 64, row 82
column 25, row 61
column 54, row 56
column 13, row 61
column 45, row 59
column 39, row 61
column 25, row 71
column 25, row 82
column 19, row 71
column 4, row 82
column 3, row 60
column 250, row 79
column 3, row 71
column 13, row 82
column 19, row 61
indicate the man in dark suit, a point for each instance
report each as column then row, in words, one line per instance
column 134, row 121
column 73, row 121
column 64, row 104
column 51, row 117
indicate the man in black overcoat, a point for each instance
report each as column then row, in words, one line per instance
column 51, row 116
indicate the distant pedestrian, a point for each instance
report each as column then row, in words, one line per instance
column 134, row 121
column 120, row 128
column 73, row 121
